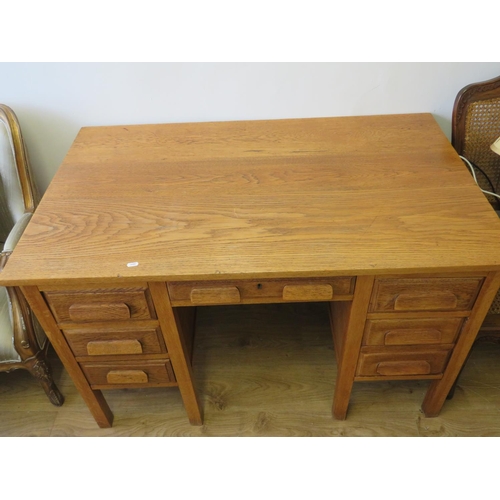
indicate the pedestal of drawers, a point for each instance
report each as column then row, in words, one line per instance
column 409, row 328
column 412, row 326
column 114, row 335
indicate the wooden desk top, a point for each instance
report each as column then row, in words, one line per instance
column 287, row 198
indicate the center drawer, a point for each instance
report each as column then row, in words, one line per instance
column 187, row 293
column 100, row 305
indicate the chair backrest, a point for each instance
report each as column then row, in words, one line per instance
column 475, row 126
column 17, row 191
column 18, row 197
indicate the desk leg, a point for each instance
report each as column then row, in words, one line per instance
column 439, row 389
column 348, row 323
column 170, row 324
column 94, row 399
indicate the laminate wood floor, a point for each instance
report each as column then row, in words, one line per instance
column 266, row 370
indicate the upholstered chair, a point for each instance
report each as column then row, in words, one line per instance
column 23, row 343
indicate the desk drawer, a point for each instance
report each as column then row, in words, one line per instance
column 415, row 331
column 425, row 294
column 394, row 363
column 114, row 341
column 100, row 305
column 114, row 375
column 260, row 291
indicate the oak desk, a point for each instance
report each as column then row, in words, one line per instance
column 375, row 215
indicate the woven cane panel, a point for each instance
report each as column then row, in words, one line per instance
column 495, row 306
column 482, row 128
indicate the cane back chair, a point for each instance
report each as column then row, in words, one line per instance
column 475, row 126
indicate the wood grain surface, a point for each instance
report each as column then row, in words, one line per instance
column 277, row 198
column 263, row 371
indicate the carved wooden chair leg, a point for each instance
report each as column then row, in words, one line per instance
column 41, row 371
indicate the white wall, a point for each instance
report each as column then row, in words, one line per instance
column 53, row 100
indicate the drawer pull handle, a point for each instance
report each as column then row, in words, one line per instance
column 414, row 336
column 218, row 295
column 425, row 301
column 394, row 368
column 307, row 292
column 112, row 347
column 127, row 377
column 97, row 312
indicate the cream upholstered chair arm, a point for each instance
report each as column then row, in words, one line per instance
column 16, row 232
column 8, row 352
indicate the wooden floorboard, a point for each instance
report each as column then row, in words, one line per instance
column 262, row 371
